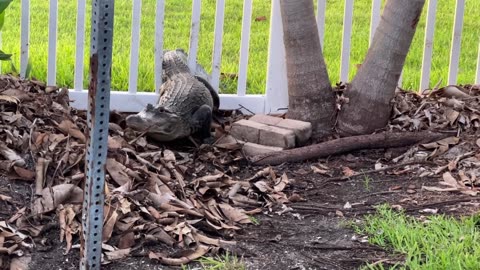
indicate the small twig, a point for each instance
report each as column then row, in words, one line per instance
column 344, row 178
column 31, row 136
column 140, row 135
column 379, row 193
column 243, row 107
column 142, row 160
column 442, row 203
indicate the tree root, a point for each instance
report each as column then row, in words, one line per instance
column 347, row 144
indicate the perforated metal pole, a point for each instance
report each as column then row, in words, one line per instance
column 97, row 118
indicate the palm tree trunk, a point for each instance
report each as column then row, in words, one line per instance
column 310, row 94
column 370, row 94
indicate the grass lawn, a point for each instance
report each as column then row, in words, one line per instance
column 177, row 22
column 438, row 242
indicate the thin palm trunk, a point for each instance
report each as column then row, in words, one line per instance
column 310, row 94
column 370, row 94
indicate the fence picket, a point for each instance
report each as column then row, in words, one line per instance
column 159, row 24
column 194, row 34
column 321, row 11
column 25, row 36
column 346, row 40
column 456, row 42
column 52, row 43
column 375, row 18
column 276, row 89
column 477, row 78
column 245, row 40
column 217, row 45
column 428, row 44
column 79, row 47
column 275, row 98
column 135, row 46
column 0, row 47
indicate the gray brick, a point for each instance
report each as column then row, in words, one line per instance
column 254, row 132
column 303, row 130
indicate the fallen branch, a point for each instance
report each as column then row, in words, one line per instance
column 347, row 144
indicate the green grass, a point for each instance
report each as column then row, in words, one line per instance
column 220, row 262
column 177, row 22
column 225, row 262
column 440, row 242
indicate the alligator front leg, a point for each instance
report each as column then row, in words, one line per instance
column 201, row 121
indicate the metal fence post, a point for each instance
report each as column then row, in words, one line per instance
column 97, row 119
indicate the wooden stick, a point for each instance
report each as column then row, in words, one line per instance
column 348, row 144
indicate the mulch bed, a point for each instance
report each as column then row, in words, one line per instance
column 170, row 204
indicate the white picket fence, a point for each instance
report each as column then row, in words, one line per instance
column 275, row 98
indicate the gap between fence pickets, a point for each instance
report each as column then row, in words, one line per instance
column 122, row 101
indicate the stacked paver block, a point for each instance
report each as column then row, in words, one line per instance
column 264, row 133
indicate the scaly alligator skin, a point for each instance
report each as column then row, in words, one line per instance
column 185, row 106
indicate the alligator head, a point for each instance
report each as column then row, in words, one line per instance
column 159, row 123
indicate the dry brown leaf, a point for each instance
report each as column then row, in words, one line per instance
column 117, row 171
column 234, row 214
column 211, row 241
column 56, row 195
column 184, row 259
column 263, row 186
column 72, row 227
column 279, row 198
column 126, row 223
column 347, row 171
column 282, row 183
column 320, row 171
column 157, row 233
column 5, row 198
column 62, row 221
column 296, row 198
column 117, row 254
column 40, row 172
column 109, row 225
column 24, row 173
column 451, row 91
column 20, row 263
column 11, row 155
column 449, row 180
column 451, row 115
column 262, row 173
column 71, row 129
column 443, row 142
column 10, row 99
column 452, row 165
column 126, row 241
column 117, row 142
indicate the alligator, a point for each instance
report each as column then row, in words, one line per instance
column 186, row 104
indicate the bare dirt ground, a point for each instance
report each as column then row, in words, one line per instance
column 313, row 234
column 301, row 211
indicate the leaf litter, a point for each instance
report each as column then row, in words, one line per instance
column 183, row 203
column 448, row 108
column 186, row 203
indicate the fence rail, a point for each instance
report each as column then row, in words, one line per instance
column 275, row 97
